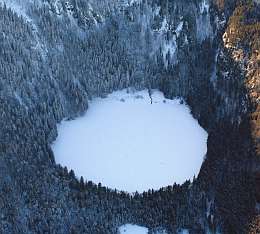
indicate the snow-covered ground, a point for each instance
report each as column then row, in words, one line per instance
column 127, row 143
column 19, row 6
column 132, row 229
column 183, row 231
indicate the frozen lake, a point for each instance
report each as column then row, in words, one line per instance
column 135, row 229
column 132, row 229
column 127, row 143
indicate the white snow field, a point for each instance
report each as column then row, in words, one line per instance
column 129, row 144
column 132, row 229
column 135, row 229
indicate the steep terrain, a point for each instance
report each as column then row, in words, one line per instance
column 55, row 55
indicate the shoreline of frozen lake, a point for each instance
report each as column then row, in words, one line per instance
column 129, row 144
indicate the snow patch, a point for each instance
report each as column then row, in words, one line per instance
column 183, row 231
column 179, row 28
column 135, row 229
column 138, row 2
column 20, row 8
column 168, row 49
column 204, row 7
column 128, row 3
column 132, row 229
column 127, row 143
column 164, row 25
column 17, row 6
column 204, row 27
column 58, row 7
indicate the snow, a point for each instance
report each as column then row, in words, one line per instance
column 183, row 231
column 19, row 6
column 204, row 6
column 20, row 100
column 132, row 229
column 132, row 2
column 169, row 47
column 127, row 143
column 203, row 21
column 19, row 9
column 179, row 28
column 164, row 25
column 135, row 229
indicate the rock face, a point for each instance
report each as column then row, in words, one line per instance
column 56, row 55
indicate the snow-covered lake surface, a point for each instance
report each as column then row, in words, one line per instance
column 127, row 143
column 132, row 229
column 135, row 229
